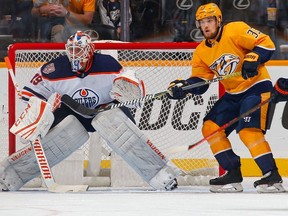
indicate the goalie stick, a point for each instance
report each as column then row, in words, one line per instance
column 41, row 158
column 82, row 110
column 223, row 127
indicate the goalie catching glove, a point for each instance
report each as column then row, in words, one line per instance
column 127, row 87
column 35, row 120
column 280, row 90
column 250, row 65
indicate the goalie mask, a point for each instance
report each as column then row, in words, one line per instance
column 208, row 10
column 80, row 49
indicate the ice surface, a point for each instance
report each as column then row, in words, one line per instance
column 196, row 200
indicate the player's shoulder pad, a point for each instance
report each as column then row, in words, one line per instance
column 59, row 67
column 235, row 24
column 105, row 63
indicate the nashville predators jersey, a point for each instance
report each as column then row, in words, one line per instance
column 225, row 56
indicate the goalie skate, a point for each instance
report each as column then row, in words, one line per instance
column 270, row 183
column 230, row 182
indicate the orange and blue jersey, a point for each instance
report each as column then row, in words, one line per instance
column 90, row 88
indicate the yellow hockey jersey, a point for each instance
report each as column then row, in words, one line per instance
column 225, row 56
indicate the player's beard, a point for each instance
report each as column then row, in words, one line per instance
column 211, row 35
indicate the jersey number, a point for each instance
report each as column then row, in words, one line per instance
column 36, row 79
column 254, row 32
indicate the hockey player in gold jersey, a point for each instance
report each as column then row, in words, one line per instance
column 228, row 49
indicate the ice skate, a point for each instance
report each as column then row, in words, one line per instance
column 172, row 185
column 230, row 182
column 270, row 183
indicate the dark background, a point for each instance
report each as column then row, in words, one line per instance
column 153, row 20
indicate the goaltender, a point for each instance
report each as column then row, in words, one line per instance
column 92, row 79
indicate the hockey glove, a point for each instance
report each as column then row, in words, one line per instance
column 250, row 65
column 280, row 90
column 35, row 120
column 127, row 87
column 175, row 90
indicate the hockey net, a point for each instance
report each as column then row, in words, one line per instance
column 166, row 122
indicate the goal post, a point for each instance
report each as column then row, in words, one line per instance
column 166, row 122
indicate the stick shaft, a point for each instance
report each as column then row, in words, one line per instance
column 223, row 127
column 11, row 73
column 207, row 82
column 90, row 112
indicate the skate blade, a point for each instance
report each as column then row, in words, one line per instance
column 275, row 188
column 228, row 188
column 57, row 188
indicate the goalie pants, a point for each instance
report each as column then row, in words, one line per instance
column 64, row 111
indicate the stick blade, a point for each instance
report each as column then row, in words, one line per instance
column 77, row 107
column 56, row 188
column 177, row 149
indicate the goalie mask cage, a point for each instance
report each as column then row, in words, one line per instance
column 166, row 122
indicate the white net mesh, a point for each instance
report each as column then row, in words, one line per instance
column 166, row 122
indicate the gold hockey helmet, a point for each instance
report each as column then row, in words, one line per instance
column 208, row 10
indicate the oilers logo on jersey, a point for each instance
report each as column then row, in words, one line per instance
column 87, row 97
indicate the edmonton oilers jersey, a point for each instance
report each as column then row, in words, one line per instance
column 90, row 88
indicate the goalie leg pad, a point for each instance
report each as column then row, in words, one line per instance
column 59, row 143
column 134, row 147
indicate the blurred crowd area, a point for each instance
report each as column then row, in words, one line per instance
column 155, row 20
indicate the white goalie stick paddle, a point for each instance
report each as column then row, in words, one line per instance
column 223, row 127
column 47, row 175
column 39, row 152
column 84, row 111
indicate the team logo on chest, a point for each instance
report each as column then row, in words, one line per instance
column 87, row 97
column 225, row 65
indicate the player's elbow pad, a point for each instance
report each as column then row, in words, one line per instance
column 198, row 90
column 264, row 54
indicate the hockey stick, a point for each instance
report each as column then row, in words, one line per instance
column 223, row 127
column 82, row 110
column 79, row 108
column 41, row 158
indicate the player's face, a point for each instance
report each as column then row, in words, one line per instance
column 76, row 52
column 209, row 27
